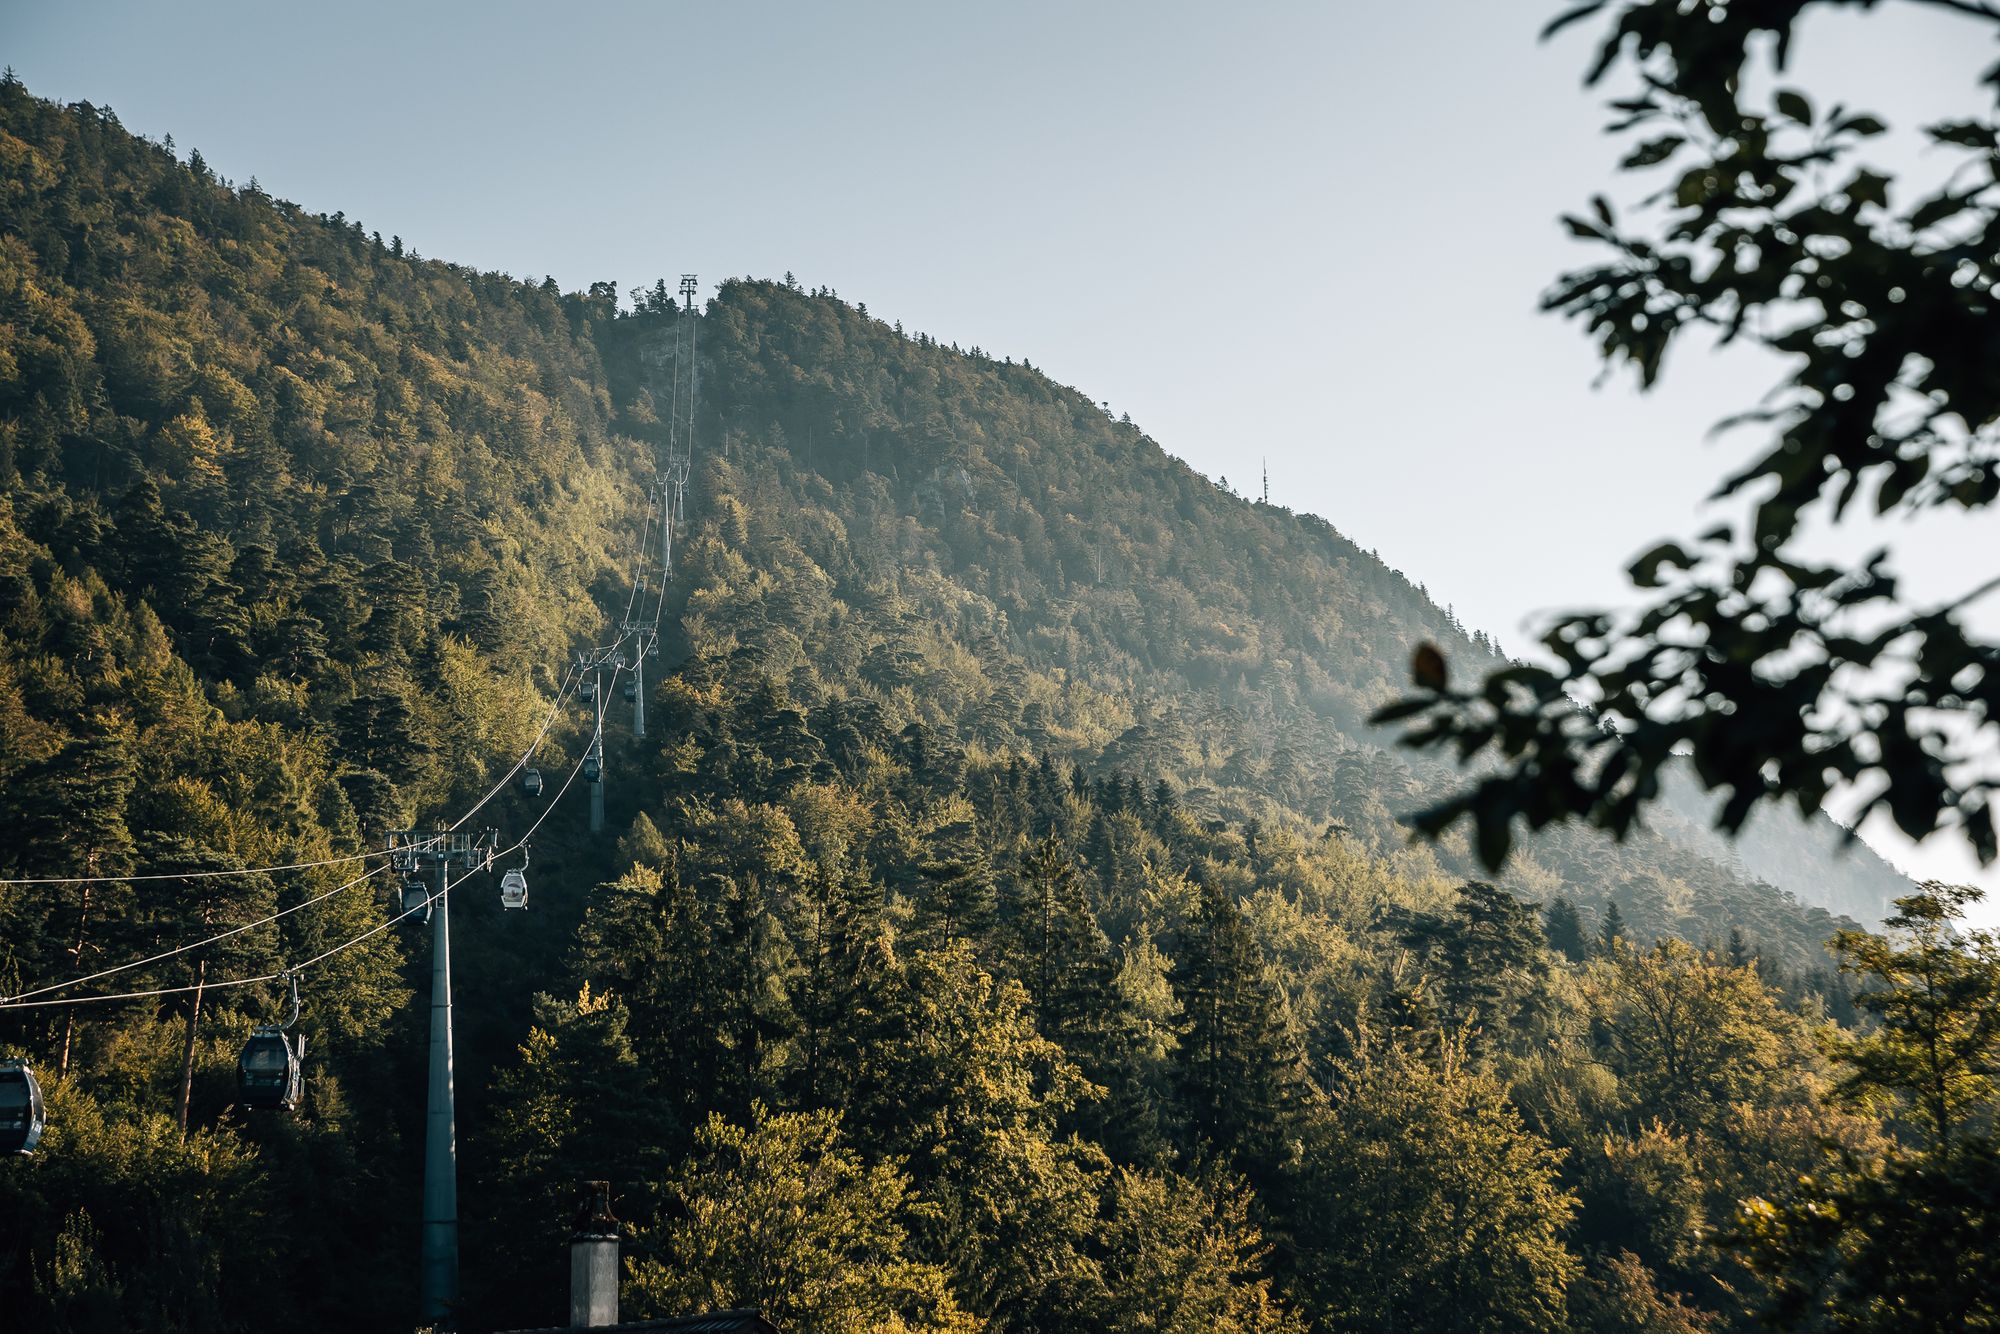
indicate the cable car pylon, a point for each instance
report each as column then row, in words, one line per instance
column 413, row 852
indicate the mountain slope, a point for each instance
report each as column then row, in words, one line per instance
column 1007, row 854
column 1152, row 620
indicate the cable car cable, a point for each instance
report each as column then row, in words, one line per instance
column 286, row 912
column 188, row 875
column 321, row 957
column 639, row 555
column 183, row 949
column 570, row 681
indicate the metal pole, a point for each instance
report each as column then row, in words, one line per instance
column 597, row 745
column 694, row 367
column 639, row 692
column 440, row 1273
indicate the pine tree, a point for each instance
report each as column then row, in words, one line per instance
column 1240, row 1079
column 1486, row 954
column 954, row 889
column 1563, row 927
column 845, row 966
column 1612, row 932
column 1740, row 953
column 576, row 1105
column 754, row 966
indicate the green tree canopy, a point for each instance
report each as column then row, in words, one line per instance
column 781, row 1216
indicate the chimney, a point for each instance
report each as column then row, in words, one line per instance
column 593, row 1261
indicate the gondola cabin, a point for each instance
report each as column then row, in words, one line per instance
column 531, row 782
column 592, row 770
column 514, row 889
column 21, row 1113
column 587, row 692
column 631, row 691
column 270, row 1074
column 414, row 899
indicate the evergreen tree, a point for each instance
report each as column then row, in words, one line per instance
column 1239, row 1077
column 954, row 889
column 1612, row 931
column 1562, row 925
column 1487, row 955
column 577, row 1106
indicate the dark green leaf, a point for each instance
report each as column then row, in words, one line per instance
column 1564, row 19
column 1969, row 133
column 1936, row 209
column 1652, row 152
column 1869, row 187
column 1645, row 571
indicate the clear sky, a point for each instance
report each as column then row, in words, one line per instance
column 1312, row 233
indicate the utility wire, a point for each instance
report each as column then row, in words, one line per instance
column 660, row 606
column 639, row 555
column 622, row 636
column 183, row 949
column 319, row 958
column 187, row 875
column 140, row 995
column 571, row 679
column 568, row 684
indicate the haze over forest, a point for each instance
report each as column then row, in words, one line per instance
column 1005, row 917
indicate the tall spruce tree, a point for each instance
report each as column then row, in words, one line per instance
column 1240, row 1081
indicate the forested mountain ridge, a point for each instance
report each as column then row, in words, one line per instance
column 1008, row 883
column 1241, row 645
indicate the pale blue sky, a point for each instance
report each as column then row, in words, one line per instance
column 1308, row 232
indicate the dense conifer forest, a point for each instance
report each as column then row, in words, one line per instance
column 1006, row 924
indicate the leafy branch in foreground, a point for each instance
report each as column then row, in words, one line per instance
column 1775, row 675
